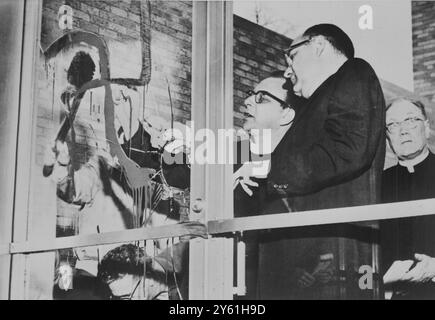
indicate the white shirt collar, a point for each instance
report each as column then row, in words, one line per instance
column 410, row 164
column 268, row 141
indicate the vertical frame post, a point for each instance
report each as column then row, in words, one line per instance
column 11, row 31
column 31, row 275
column 211, row 261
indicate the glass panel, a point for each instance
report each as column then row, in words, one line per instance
column 338, row 261
column 114, row 76
column 330, row 148
column 118, row 272
column 408, row 257
column 114, row 79
column 327, row 164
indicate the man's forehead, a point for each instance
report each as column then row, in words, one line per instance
column 296, row 41
column 272, row 85
column 403, row 108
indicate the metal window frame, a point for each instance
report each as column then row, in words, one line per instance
column 31, row 275
column 30, row 252
column 211, row 261
column 12, row 15
column 220, row 227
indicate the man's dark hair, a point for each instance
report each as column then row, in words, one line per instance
column 335, row 36
column 125, row 259
column 291, row 98
column 416, row 103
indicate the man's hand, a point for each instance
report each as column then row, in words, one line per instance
column 156, row 126
column 303, row 278
column 245, row 183
column 56, row 160
column 325, row 269
column 50, row 154
column 62, row 157
column 324, row 276
column 56, row 151
column 424, row 270
column 248, row 170
column 178, row 139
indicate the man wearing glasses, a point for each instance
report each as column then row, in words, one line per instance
column 267, row 110
column 271, row 107
column 412, row 178
column 333, row 154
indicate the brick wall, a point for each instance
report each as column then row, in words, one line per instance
column 257, row 50
column 168, row 39
column 423, row 39
column 118, row 23
column 257, row 53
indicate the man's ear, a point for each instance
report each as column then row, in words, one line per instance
column 288, row 115
column 427, row 128
column 319, row 44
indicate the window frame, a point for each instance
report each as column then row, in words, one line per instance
column 211, row 260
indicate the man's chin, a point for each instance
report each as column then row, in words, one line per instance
column 297, row 91
column 249, row 125
column 410, row 154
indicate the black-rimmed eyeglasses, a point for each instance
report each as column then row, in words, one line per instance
column 259, row 97
column 294, row 46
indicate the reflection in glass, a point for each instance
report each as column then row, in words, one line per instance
column 113, row 80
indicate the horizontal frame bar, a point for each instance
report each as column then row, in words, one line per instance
column 5, row 249
column 325, row 216
column 273, row 221
column 175, row 230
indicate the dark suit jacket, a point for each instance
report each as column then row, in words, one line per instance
column 333, row 155
column 402, row 238
column 260, row 202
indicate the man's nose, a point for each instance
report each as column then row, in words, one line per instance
column 288, row 72
column 249, row 101
column 243, row 109
column 403, row 130
column 248, row 107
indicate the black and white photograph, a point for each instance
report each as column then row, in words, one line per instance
column 242, row 151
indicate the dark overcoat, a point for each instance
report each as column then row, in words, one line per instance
column 332, row 156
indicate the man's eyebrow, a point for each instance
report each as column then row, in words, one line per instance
column 410, row 113
column 415, row 114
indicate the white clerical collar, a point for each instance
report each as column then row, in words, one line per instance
column 409, row 164
column 268, row 140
